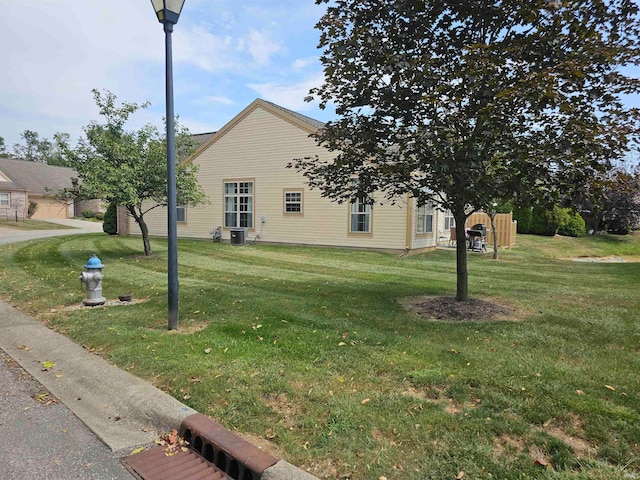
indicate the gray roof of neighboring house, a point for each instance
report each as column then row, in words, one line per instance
column 35, row 177
column 200, row 138
column 308, row 120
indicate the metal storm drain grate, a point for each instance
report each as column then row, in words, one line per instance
column 235, row 456
column 154, row 464
column 214, row 453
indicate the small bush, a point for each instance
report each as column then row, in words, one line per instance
column 88, row 213
column 110, row 222
column 524, row 217
column 572, row 225
column 32, row 208
column 99, row 215
column 545, row 221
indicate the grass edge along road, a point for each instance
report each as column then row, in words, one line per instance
column 310, row 351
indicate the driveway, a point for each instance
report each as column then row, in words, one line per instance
column 10, row 235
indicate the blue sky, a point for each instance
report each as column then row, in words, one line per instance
column 226, row 54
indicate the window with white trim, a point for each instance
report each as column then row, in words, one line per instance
column 293, row 201
column 5, row 199
column 424, row 219
column 238, row 204
column 449, row 221
column 360, row 217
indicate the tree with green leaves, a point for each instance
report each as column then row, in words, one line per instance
column 461, row 103
column 3, row 148
column 36, row 149
column 129, row 167
column 33, row 148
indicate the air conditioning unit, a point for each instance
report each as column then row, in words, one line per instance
column 238, row 236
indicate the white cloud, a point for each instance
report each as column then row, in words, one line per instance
column 206, row 51
column 289, row 95
column 303, row 63
column 260, row 46
column 224, row 52
column 60, row 50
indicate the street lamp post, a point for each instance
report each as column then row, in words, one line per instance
column 168, row 12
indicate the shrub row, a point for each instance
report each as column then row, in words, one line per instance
column 543, row 221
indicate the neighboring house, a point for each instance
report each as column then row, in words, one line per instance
column 243, row 172
column 22, row 182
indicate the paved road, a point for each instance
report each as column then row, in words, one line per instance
column 42, row 439
column 10, row 235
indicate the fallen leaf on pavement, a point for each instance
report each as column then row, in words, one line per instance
column 47, row 365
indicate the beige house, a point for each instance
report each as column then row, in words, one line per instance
column 22, row 182
column 254, row 197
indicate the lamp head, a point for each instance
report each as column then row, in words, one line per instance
column 168, row 11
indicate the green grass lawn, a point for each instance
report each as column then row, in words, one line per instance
column 31, row 224
column 311, row 350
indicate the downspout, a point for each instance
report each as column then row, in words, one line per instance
column 409, row 230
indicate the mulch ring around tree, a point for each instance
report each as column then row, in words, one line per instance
column 448, row 309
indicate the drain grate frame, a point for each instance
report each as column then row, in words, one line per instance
column 230, row 453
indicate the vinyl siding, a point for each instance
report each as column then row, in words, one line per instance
column 257, row 147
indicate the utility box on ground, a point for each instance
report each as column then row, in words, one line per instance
column 238, row 236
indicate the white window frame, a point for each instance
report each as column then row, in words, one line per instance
column 359, row 217
column 5, row 199
column 449, row 220
column 424, row 218
column 238, row 203
column 291, row 202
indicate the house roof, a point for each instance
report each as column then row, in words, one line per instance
column 302, row 121
column 200, row 138
column 308, row 120
column 35, row 177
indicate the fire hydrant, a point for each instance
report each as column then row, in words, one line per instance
column 93, row 278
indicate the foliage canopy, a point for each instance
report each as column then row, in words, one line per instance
column 129, row 167
column 462, row 103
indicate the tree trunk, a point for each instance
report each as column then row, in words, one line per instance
column 145, row 237
column 492, row 217
column 462, row 275
column 143, row 229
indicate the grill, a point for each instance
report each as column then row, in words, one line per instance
column 477, row 238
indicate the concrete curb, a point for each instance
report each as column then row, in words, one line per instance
column 121, row 409
column 285, row 471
